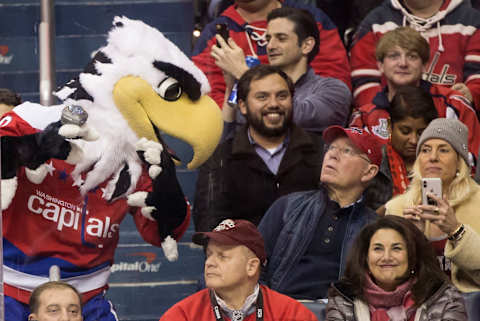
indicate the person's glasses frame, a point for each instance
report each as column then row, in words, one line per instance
column 345, row 151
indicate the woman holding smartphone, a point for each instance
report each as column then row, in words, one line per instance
column 453, row 223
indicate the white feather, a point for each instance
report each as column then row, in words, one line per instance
column 36, row 176
column 170, row 249
column 8, row 187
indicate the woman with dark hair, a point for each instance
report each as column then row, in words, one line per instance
column 411, row 110
column 392, row 274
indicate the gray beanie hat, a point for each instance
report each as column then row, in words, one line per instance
column 451, row 130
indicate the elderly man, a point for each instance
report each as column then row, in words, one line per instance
column 307, row 234
column 235, row 253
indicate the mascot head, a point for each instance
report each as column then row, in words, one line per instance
column 138, row 86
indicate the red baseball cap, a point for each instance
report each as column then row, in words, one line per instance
column 361, row 138
column 235, row 232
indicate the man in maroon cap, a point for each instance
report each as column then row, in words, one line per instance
column 235, row 254
column 307, row 234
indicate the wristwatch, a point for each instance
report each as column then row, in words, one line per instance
column 458, row 234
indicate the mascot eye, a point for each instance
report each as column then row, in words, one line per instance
column 170, row 89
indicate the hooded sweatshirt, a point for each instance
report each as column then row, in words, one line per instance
column 454, row 41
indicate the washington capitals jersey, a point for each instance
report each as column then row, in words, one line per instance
column 454, row 37
column 449, row 104
column 53, row 224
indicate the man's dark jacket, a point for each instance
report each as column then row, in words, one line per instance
column 236, row 183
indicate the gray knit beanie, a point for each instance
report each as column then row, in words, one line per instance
column 451, row 130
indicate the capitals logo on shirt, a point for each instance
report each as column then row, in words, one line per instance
column 442, row 78
column 381, row 130
column 67, row 215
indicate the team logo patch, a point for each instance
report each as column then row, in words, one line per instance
column 225, row 225
column 5, row 121
column 381, row 130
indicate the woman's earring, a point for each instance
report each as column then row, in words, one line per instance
column 412, row 272
column 457, row 173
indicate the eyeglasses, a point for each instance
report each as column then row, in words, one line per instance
column 345, row 151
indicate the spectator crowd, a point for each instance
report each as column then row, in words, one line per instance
column 316, row 204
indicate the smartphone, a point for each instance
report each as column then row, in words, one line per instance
column 433, row 186
column 222, row 30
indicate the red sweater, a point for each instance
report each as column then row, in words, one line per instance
column 331, row 60
column 454, row 37
column 449, row 104
column 277, row 307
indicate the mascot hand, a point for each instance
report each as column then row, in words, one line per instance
column 32, row 151
column 166, row 203
column 53, row 138
column 75, row 131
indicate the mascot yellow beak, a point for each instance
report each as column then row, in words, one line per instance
column 198, row 123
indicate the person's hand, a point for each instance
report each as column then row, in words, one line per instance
column 442, row 214
column 229, row 57
column 413, row 214
column 461, row 87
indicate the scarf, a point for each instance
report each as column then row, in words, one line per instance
column 398, row 170
column 397, row 305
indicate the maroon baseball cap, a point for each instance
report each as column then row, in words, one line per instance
column 361, row 138
column 235, row 232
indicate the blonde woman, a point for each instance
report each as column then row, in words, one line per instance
column 453, row 224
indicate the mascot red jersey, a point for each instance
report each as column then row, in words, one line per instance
column 68, row 183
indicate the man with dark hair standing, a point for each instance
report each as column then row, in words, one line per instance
column 292, row 43
column 246, row 23
column 266, row 158
column 234, row 256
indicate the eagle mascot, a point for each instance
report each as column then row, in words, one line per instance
column 70, row 173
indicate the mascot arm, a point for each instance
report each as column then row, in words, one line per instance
column 168, row 199
column 33, row 150
column 165, row 203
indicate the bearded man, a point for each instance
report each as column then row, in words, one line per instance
column 266, row 158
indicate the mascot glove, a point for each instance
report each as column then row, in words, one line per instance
column 137, row 199
column 170, row 248
column 169, row 245
column 75, row 131
column 151, row 151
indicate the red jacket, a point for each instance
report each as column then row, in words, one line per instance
column 277, row 307
column 449, row 104
column 331, row 60
column 53, row 224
